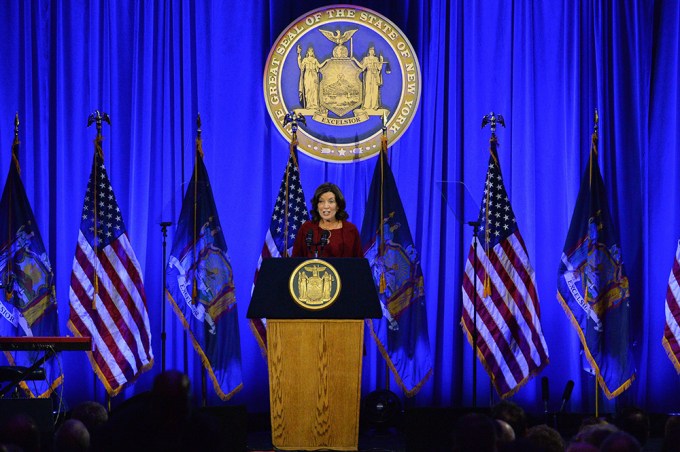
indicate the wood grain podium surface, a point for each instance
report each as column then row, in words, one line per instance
column 315, row 383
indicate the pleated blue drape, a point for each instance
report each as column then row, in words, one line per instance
column 544, row 65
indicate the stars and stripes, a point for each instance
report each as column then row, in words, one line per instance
column 108, row 301
column 290, row 212
column 671, row 332
column 510, row 342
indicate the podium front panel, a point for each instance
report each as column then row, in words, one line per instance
column 315, row 383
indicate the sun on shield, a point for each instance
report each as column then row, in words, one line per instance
column 340, row 87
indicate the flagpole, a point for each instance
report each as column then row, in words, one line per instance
column 593, row 152
column 7, row 282
column 164, row 230
column 381, row 229
column 194, row 291
column 292, row 118
column 8, row 278
column 597, row 398
column 593, row 147
column 97, row 117
column 475, row 231
column 492, row 119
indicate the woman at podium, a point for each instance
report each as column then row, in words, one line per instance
column 328, row 234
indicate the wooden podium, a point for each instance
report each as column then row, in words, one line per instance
column 315, row 356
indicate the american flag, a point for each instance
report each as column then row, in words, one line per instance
column 107, row 295
column 289, row 213
column 510, row 340
column 671, row 332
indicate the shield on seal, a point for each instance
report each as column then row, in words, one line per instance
column 340, row 87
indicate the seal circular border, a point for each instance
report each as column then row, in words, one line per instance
column 291, row 283
column 398, row 122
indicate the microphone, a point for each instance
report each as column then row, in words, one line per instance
column 324, row 239
column 566, row 395
column 309, row 241
column 545, row 393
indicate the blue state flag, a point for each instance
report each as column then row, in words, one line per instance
column 200, row 285
column 592, row 285
column 28, row 306
column 401, row 334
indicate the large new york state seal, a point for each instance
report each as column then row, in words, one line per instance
column 347, row 69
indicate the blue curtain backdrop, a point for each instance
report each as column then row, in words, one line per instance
column 544, row 65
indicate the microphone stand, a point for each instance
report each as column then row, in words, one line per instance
column 475, row 331
column 164, row 231
column 318, row 247
column 323, row 241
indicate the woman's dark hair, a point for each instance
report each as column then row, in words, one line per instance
column 326, row 187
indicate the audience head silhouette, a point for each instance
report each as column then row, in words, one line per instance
column 171, row 397
column 545, row 438
column 90, row 413
column 474, row 432
column 513, row 414
column 21, row 431
column 72, row 436
column 635, row 421
column 671, row 436
column 620, row 442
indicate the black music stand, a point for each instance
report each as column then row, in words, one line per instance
column 465, row 208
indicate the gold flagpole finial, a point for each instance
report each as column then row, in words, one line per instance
column 97, row 117
column 593, row 146
column 384, row 133
column 294, row 119
column 493, row 119
column 16, row 126
column 15, row 143
column 199, row 138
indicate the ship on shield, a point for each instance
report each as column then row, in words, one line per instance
column 347, row 85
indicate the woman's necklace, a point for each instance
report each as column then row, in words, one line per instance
column 330, row 226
